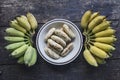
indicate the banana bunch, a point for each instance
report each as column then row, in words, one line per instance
column 19, row 35
column 99, row 38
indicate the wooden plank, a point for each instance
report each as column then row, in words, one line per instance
column 45, row 10
column 74, row 71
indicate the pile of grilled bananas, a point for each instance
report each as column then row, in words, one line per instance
column 99, row 38
column 19, row 35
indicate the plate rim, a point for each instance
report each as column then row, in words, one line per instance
column 73, row 58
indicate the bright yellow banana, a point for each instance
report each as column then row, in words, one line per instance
column 85, row 19
column 104, row 25
column 105, row 33
column 103, row 46
column 98, row 52
column 89, row 58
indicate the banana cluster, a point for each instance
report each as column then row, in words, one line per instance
column 99, row 38
column 19, row 35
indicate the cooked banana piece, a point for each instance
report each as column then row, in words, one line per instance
column 68, row 31
column 58, row 40
column 51, row 53
column 55, row 45
column 67, row 49
column 49, row 34
column 53, row 49
column 62, row 35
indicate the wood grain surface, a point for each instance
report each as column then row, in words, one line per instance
column 45, row 10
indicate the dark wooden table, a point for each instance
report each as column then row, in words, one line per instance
column 45, row 10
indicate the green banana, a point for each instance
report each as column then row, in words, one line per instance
column 24, row 23
column 24, row 17
column 89, row 58
column 104, row 25
column 14, row 45
column 95, row 14
column 97, row 20
column 14, row 39
column 98, row 52
column 105, row 33
column 14, row 24
column 33, row 59
column 32, row 20
column 100, row 60
column 103, row 46
column 28, row 54
column 107, row 40
column 14, row 32
column 21, row 60
column 19, row 51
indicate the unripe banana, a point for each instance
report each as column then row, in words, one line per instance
column 33, row 59
column 104, row 25
column 21, row 60
column 107, row 40
column 100, row 60
column 28, row 54
column 14, row 32
column 89, row 58
column 103, row 46
column 32, row 20
column 15, row 25
column 24, row 17
column 105, row 33
column 98, row 52
column 24, row 23
column 14, row 39
column 85, row 19
column 14, row 45
column 95, row 14
column 97, row 20
column 19, row 51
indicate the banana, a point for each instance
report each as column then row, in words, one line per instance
column 98, row 52
column 14, row 39
column 97, row 20
column 14, row 24
column 14, row 32
column 104, row 25
column 21, row 60
column 105, row 33
column 85, row 19
column 19, row 51
column 89, row 58
column 33, row 59
column 103, row 46
column 100, row 60
column 24, row 23
column 14, row 45
column 28, row 54
column 24, row 17
column 95, row 14
column 107, row 40
column 32, row 20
